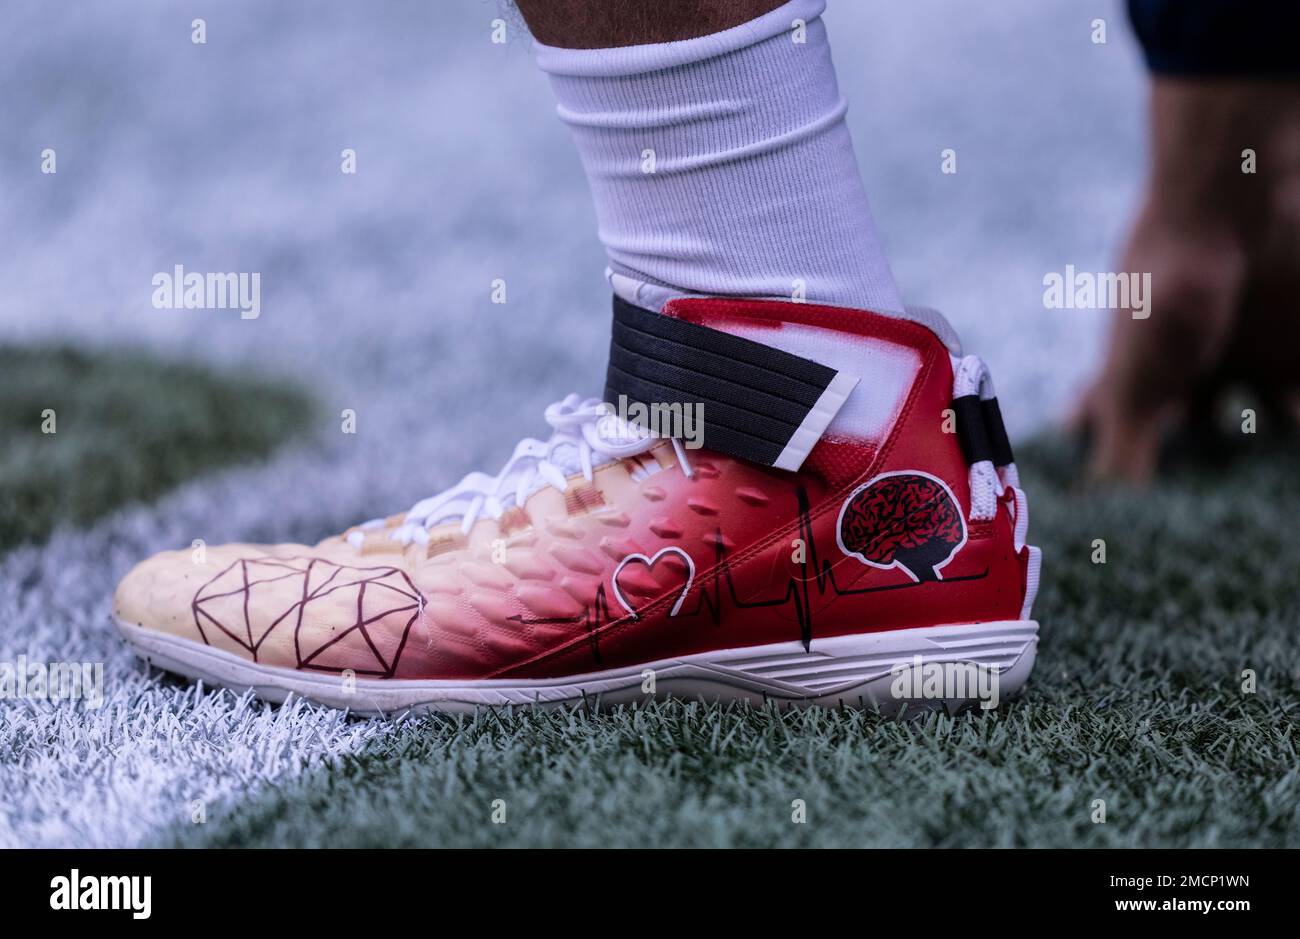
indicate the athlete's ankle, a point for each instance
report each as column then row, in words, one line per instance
column 722, row 165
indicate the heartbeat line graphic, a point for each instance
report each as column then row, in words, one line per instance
column 814, row 574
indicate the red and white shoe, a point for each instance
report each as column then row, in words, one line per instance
column 890, row 568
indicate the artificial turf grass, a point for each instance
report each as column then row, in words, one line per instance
column 1136, row 700
column 127, row 428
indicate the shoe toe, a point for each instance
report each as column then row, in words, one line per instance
column 154, row 594
column 160, row 592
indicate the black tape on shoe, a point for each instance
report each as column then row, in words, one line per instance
column 758, row 403
column 980, row 430
column 997, row 433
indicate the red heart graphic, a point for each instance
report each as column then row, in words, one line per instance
column 636, row 577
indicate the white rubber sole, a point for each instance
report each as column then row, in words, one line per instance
column 927, row 668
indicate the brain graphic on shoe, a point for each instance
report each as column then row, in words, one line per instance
column 909, row 520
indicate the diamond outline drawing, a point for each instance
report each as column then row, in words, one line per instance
column 331, row 578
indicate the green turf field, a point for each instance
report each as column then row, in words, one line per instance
column 85, row 433
column 1137, row 701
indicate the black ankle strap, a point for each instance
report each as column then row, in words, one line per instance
column 758, row 403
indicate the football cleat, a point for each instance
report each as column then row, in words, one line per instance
column 773, row 501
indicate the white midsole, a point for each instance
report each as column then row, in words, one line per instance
column 866, row 669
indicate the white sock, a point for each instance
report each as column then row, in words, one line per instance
column 755, row 190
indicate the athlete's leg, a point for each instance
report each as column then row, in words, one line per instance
column 581, row 24
column 1218, row 230
column 1190, row 238
column 714, row 140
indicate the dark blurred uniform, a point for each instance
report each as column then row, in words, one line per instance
column 1219, row 37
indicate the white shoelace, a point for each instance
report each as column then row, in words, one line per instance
column 586, row 434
